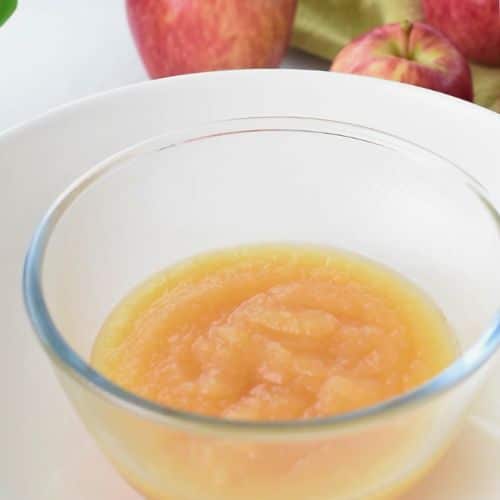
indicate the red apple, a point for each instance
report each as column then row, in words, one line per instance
column 186, row 36
column 411, row 53
column 472, row 25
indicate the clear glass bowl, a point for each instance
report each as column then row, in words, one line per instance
column 257, row 180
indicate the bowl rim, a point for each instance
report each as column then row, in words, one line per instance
column 64, row 357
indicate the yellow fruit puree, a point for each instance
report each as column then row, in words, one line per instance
column 273, row 332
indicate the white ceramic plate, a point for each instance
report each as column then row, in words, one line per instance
column 45, row 453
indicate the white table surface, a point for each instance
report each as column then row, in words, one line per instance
column 55, row 51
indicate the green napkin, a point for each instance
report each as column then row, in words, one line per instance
column 486, row 86
column 323, row 27
column 7, row 7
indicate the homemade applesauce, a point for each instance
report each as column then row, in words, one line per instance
column 273, row 332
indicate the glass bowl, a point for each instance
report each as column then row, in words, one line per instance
column 267, row 179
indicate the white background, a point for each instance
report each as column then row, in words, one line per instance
column 55, row 51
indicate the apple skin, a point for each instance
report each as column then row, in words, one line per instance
column 472, row 25
column 412, row 53
column 187, row 36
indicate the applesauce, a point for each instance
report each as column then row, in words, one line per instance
column 273, row 332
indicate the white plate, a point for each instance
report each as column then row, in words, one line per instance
column 45, row 452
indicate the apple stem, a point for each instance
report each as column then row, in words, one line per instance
column 406, row 27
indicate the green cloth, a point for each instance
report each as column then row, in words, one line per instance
column 323, row 27
column 7, row 7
